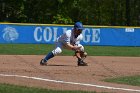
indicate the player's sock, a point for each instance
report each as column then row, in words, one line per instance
column 49, row 56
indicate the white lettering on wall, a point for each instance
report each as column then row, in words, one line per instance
column 37, row 37
column 91, row 35
column 55, row 33
column 87, row 35
column 96, row 35
column 48, row 34
column 129, row 30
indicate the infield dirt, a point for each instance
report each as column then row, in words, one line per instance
column 64, row 68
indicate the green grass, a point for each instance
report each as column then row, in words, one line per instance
column 42, row 49
column 7, row 88
column 113, row 51
column 129, row 80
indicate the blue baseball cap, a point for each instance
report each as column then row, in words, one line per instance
column 78, row 26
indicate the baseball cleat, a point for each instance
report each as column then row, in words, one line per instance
column 82, row 63
column 43, row 62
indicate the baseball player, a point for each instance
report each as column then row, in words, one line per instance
column 69, row 40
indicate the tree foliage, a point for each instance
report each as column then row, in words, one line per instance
column 90, row 12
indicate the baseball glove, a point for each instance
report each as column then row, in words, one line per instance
column 81, row 54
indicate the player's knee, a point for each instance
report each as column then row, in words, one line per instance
column 82, row 48
column 57, row 51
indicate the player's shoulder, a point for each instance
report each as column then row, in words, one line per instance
column 68, row 32
column 80, row 37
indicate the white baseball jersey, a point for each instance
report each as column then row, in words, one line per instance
column 69, row 37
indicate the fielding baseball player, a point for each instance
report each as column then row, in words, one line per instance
column 69, row 40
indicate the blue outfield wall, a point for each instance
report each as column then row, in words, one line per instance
column 47, row 34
